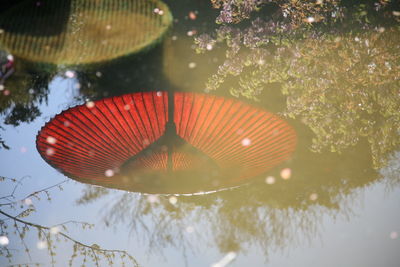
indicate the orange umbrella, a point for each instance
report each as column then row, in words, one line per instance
column 150, row 143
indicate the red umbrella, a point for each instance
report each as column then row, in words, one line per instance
column 131, row 142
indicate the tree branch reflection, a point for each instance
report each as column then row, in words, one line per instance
column 278, row 216
column 48, row 236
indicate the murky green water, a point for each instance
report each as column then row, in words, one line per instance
column 278, row 145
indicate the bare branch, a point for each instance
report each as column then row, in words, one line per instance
column 93, row 248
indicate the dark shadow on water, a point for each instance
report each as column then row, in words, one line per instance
column 37, row 18
column 136, row 73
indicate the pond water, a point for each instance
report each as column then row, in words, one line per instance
column 144, row 133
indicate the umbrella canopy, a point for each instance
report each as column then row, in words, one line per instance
column 150, row 142
column 82, row 31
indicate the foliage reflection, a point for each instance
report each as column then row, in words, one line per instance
column 273, row 213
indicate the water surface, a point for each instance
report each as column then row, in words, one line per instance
column 333, row 201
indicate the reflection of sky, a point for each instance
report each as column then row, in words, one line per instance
column 361, row 240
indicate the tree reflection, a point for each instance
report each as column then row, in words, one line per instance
column 341, row 82
column 268, row 215
column 23, row 92
column 298, row 13
column 20, row 227
column 340, row 76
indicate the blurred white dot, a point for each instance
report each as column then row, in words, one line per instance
column 108, row 27
column 192, row 15
column 70, row 74
column 54, row 230
column 159, row 93
column 50, row 151
column 246, row 142
column 310, row 19
column 41, row 244
column 90, row 104
column 190, row 229
column 1, row 87
column 286, row 173
column 174, row 38
column 31, row 91
column 191, row 33
column 173, row 200
column 152, row 198
column 109, row 173
column 161, row 12
column 225, row 260
column 270, row 180
column 127, row 107
column 192, row 65
column 209, row 47
column 4, row 241
column 99, row 74
column 156, row 10
column 394, row 235
column 67, row 123
column 28, row 201
column 396, row 13
column 313, row 196
column 51, row 140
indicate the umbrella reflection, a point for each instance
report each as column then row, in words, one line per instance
column 149, row 142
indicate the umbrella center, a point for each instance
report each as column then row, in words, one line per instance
column 171, row 162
